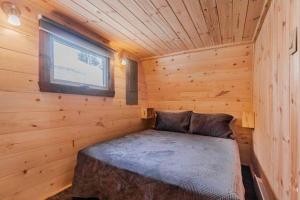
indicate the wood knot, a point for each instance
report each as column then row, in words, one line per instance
column 100, row 124
column 223, row 92
column 283, row 23
column 27, row 9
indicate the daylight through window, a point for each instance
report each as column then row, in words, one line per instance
column 72, row 63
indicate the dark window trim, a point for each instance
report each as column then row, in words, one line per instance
column 46, row 60
column 132, row 82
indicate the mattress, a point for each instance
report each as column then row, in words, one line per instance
column 160, row 165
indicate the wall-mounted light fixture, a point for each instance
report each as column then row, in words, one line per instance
column 12, row 12
column 124, row 61
column 122, row 57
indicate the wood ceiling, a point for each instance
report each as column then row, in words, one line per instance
column 156, row 27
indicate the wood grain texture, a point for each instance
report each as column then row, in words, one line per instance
column 41, row 133
column 209, row 81
column 248, row 120
column 158, row 27
column 276, row 100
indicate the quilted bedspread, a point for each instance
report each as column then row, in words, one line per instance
column 160, row 165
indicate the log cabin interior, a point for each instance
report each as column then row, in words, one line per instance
column 149, row 99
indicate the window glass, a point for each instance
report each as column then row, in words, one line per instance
column 74, row 65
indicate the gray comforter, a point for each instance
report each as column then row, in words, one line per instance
column 160, row 165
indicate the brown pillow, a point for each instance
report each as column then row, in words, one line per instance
column 177, row 122
column 215, row 125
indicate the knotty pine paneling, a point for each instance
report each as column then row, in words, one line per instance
column 159, row 27
column 41, row 133
column 276, row 100
column 208, row 81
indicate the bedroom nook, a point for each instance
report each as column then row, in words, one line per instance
column 149, row 100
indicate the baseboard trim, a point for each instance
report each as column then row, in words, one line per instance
column 262, row 186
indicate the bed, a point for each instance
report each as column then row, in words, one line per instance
column 160, row 165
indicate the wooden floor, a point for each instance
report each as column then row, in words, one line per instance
column 247, row 180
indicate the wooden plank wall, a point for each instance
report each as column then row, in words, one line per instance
column 276, row 100
column 40, row 133
column 209, row 81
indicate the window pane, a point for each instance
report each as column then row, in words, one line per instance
column 77, row 66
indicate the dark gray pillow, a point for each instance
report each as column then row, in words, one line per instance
column 215, row 125
column 169, row 121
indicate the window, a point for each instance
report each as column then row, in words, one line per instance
column 72, row 63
